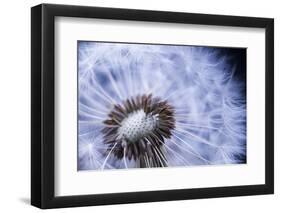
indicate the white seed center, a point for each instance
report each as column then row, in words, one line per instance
column 137, row 125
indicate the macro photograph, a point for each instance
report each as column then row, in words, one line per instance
column 160, row 105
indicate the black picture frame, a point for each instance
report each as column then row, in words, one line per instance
column 43, row 102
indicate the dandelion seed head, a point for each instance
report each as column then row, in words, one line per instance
column 144, row 105
column 138, row 125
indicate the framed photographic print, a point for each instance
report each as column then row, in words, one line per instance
column 140, row 106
